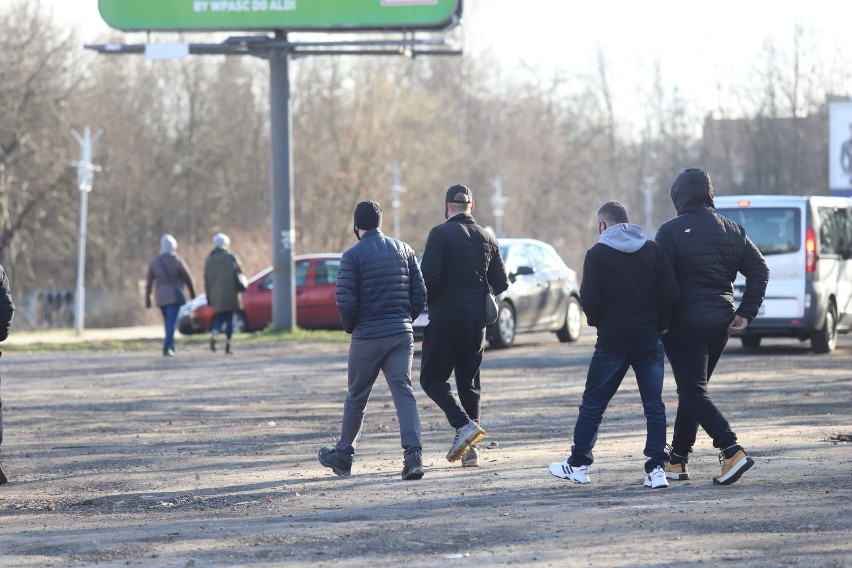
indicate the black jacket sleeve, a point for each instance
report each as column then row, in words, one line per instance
column 497, row 273
column 668, row 291
column 753, row 267
column 346, row 292
column 416, row 287
column 590, row 291
column 433, row 261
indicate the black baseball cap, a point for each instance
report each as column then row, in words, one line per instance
column 459, row 194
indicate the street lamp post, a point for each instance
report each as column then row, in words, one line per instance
column 85, row 178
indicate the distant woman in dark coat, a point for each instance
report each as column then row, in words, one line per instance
column 221, row 272
column 170, row 273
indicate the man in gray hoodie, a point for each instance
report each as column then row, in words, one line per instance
column 627, row 293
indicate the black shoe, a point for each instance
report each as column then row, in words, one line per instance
column 413, row 468
column 330, row 458
column 3, row 478
column 213, row 344
column 228, row 348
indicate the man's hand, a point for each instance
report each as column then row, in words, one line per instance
column 737, row 325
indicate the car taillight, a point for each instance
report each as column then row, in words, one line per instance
column 810, row 251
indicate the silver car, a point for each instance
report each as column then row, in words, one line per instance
column 543, row 295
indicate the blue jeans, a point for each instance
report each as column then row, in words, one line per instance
column 606, row 371
column 170, row 314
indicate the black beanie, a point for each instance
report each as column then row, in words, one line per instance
column 368, row 215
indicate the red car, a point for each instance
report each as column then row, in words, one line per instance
column 316, row 279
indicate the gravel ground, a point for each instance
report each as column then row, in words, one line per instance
column 132, row 459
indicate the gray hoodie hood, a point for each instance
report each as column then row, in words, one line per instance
column 625, row 237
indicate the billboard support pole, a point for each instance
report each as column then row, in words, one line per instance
column 279, row 50
column 283, row 301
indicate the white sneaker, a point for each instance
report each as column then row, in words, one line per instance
column 563, row 470
column 656, row 479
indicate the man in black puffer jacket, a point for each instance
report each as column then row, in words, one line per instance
column 380, row 291
column 706, row 251
column 459, row 261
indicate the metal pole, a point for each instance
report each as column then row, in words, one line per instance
column 284, row 290
column 396, row 195
column 85, row 179
column 80, row 294
column 648, row 192
column 498, row 203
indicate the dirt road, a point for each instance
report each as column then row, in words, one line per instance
column 132, row 459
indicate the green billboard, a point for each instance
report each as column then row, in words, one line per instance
column 299, row 15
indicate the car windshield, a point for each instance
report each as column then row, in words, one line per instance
column 774, row 230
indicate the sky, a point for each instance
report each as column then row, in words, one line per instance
column 695, row 44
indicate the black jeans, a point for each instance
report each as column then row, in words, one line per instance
column 453, row 346
column 693, row 355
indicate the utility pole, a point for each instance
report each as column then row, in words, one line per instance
column 648, row 191
column 497, row 203
column 278, row 50
column 283, row 235
column 396, row 197
column 85, row 178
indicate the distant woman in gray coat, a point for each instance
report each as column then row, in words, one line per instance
column 170, row 273
column 222, row 271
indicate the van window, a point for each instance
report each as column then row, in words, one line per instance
column 844, row 228
column 774, row 230
column 834, row 231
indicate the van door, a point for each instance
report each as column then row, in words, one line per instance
column 835, row 264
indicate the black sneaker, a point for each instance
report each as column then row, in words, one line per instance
column 413, row 468
column 213, row 344
column 330, row 458
column 3, row 478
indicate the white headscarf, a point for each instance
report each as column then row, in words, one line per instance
column 221, row 240
column 168, row 244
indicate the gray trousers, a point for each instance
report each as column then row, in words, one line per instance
column 392, row 355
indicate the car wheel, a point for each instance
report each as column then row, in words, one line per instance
column 185, row 327
column 825, row 339
column 239, row 319
column 503, row 331
column 750, row 342
column 570, row 330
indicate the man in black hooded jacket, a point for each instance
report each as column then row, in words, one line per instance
column 706, row 251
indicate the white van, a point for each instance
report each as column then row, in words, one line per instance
column 807, row 243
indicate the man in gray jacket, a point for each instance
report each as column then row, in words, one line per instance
column 380, row 292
